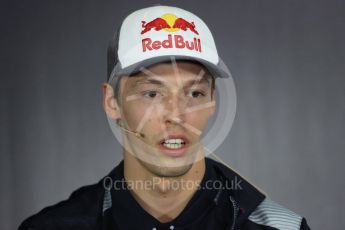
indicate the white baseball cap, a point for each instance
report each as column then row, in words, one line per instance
column 162, row 33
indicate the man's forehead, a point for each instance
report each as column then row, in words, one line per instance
column 169, row 81
column 182, row 71
column 173, row 67
column 183, row 79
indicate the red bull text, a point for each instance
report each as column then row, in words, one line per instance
column 176, row 41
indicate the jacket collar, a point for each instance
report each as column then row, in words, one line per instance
column 245, row 194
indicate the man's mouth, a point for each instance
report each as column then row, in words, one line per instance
column 174, row 145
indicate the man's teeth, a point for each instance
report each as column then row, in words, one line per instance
column 174, row 143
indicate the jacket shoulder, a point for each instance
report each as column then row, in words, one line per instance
column 274, row 215
column 79, row 211
column 258, row 211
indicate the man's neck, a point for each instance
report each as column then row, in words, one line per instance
column 162, row 197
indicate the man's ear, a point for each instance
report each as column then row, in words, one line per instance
column 110, row 105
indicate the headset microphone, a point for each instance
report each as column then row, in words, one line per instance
column 137, row 134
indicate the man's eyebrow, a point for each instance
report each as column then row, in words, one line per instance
column 149, row 81
column 198, row 80
column 161, row 82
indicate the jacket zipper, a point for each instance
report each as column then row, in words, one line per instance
column 235, row 211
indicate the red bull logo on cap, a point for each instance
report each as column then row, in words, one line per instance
column 170, row 23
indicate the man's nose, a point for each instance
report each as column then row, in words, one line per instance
column 175, row 108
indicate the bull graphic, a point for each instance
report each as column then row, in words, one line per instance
column 157, row 24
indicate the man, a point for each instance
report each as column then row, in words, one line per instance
column 162, row 68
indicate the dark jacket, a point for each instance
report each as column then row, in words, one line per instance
column 87, row 208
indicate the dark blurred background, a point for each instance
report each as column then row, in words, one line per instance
column 287, row 59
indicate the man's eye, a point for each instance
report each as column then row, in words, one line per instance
column 196, row 94
column 150, row 93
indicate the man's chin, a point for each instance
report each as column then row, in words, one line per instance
column 161, row 164
column 167, row 170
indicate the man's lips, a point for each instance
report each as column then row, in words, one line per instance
column 174, row 152
column 174, row 136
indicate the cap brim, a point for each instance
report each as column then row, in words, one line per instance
column 219, row 70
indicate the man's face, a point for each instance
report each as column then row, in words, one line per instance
column 170, row 103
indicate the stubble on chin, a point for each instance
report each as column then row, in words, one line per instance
column 166, row 171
